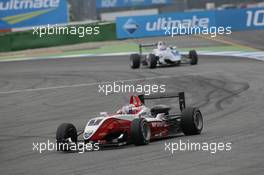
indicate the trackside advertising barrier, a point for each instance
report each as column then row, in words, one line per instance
column 24, row 13
column 156, row 25
column 100, row 4
column 26, row 40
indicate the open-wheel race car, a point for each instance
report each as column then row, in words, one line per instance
column 136, row 124
column 161, row 56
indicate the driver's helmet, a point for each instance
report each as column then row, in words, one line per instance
column 161, row 45
column 127, row 109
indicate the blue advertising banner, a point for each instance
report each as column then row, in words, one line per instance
column 242, row 19
column 25, row 13
column 129, row 3
column 156, row 25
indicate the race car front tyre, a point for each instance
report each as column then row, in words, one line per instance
column 193, row 57
column 65, row 135
column 140, row 132
column 134, row 61
column 152, row 61
column 192, row 121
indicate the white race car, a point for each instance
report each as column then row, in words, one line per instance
column 160, row 56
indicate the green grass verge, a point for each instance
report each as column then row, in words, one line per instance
column 127, row 47
column 130, row 47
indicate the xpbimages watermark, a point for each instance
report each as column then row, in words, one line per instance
column 212, row 31
column 80, row 31
column 79, row 147
column 121, row 87
column 213, row 147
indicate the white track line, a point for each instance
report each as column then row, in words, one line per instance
column 84, row 85
column 251, row 55
column 97, row 83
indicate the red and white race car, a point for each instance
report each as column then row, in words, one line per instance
column 136, row 123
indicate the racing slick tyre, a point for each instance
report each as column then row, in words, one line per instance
column 193, row 57
column 152, row 61
column 134, row 61
column 64, row 132
column 140, row 132
column 192, row 121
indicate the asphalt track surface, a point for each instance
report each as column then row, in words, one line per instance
column 229, row 92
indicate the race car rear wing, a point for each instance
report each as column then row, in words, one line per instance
column 179, row 95
column 145, row 45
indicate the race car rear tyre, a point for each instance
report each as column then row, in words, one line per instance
column 140, row 132
column 64, row 132
column 193, row 57
column 192, row 121
column 152, row 61
column 134, row 61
